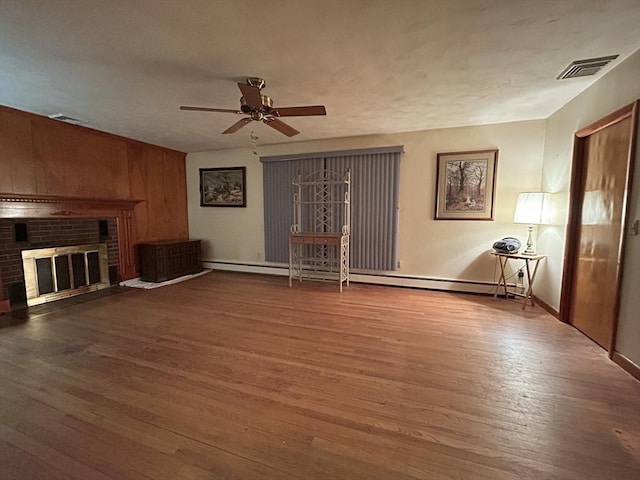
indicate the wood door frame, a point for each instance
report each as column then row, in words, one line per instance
column 575, row 211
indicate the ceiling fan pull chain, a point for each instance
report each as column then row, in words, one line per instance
column 254, row 144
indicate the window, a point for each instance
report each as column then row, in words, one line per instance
column 374, row 202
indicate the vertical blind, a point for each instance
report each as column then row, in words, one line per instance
column 374, row 202
column 278, row 203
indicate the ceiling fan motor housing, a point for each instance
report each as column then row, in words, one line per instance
column 267, row 105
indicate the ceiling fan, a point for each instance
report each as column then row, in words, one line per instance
column 260, row 107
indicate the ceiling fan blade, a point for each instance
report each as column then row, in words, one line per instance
column 299, row 111
column 281, row 126
column 207, row 109
column 251, row 95
column 238, row 125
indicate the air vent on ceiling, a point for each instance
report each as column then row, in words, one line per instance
column 584, row 68
column 65, row 118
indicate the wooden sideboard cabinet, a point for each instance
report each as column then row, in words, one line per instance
column 161, row 261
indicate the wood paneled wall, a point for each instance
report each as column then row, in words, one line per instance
column 40, row 156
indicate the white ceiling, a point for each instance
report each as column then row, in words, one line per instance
column 379, row 66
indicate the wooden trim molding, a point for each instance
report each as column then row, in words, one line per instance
column 14, row 205
column 547, row 307
column 47, row 206
column 626, row 364
column 575, row 213
column 607, row 121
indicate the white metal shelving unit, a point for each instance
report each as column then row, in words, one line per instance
column 319, row 237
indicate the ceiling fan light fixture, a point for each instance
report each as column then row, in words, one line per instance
column 243, row 106
column 260, row 107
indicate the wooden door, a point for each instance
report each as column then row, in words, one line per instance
column 599, row 191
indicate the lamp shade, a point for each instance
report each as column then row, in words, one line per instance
column 530, row 207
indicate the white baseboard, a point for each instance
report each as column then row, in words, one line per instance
column 450, row 285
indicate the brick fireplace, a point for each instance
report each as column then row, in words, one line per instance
column 29, row 234
column 32, row 222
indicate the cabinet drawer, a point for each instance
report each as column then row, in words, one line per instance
column 326, row 241
column 315, row 240
column 302, row 239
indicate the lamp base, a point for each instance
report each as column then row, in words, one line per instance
column 529, row 250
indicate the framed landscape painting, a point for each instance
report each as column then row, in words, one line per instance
column 223, row 187
column 465, row 185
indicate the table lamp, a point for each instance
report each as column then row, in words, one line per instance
column 530, row 209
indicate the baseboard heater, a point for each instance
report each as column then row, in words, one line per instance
column 427, row 283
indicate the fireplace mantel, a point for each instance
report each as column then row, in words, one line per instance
column 48, row 206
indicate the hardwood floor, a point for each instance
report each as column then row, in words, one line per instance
column 235, row 376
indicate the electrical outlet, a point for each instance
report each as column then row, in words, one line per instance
column 520, row 274
column 259, row 256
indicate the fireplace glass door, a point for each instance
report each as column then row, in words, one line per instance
column 60, row 272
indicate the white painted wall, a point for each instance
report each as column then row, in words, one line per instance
column 428, row 248
column 534, row 155
column 617, row 88
column 628, row 337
